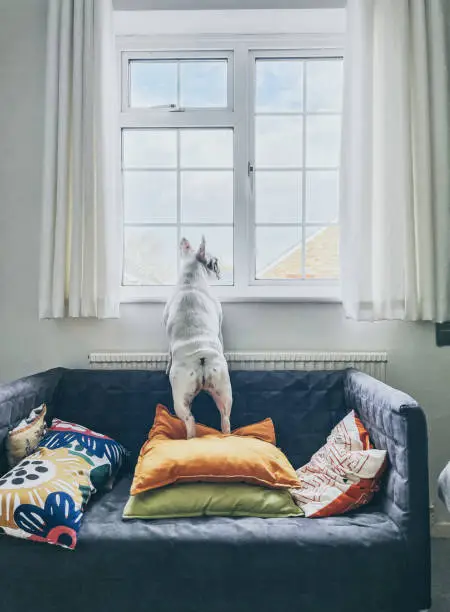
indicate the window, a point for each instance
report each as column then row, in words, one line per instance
column 239, row 145
column 297, row 103
column 176, row 182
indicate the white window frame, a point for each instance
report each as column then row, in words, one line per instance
column 129, row 56
column 241, row 51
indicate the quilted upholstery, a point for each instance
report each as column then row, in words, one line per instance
column 304, row 406
column 19, row 398
column 396, row 423
column 376, row 558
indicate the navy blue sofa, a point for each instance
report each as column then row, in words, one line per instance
column 376, row 559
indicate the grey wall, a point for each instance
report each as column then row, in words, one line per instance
column 27, row 345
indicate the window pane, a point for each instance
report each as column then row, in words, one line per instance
column 323, row 85
column 153, row 83
column 322, row 252
column 219, row 243
column 278, row 197
column 279, row 86
column 278, row 253
column 203, row 84
column 206, row 148
column 321, row 197
column 150, row 256
column 150, row 197
column 207, row 197
column 322, row 141
column 278, row 141
column 149, row 148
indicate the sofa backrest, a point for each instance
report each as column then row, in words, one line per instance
column 304, row 406
column 18, row 399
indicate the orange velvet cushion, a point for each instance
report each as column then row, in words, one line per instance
column 248, row 455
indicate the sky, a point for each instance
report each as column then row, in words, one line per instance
column 154, row 161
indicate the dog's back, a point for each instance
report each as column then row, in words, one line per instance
column 193, row 319
column 193, row 325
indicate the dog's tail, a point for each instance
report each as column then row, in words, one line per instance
column 208, row 364
column 202, row 365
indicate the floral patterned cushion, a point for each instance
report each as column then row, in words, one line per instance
column 43, row 497
column 104, row 455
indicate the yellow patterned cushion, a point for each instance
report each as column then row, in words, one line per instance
column 24, row 439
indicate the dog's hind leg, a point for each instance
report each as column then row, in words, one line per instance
column 182, row 406
column 225, row 411
column 219, row 387
column 224, row 406
column 184, row 389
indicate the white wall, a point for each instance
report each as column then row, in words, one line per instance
column 27, row 345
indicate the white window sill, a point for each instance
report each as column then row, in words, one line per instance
column 316, row 293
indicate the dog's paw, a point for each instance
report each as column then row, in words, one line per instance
column 226, row 428
column 190, row 428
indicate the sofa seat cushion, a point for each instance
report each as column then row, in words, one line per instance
column 262, row 560
column 238, row 565
column 103, row 522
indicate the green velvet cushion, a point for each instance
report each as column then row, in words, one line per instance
column 211, row 499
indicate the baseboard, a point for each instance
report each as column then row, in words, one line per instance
column 441, row 529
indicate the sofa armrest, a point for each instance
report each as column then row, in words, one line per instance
column 18, row 398
column 397, row 424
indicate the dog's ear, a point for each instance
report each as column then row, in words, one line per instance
column 213, row 266
column 201, row 253
column 185, row 247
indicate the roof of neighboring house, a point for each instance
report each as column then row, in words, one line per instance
column 322, row 258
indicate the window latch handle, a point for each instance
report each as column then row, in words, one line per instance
column 251, row 175
column 173, row 108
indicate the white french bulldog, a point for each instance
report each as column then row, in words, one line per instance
column 193, row 320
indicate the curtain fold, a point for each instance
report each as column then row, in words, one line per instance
column 80, row 237
column 395, row 189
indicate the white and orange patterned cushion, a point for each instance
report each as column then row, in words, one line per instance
column 343, row 475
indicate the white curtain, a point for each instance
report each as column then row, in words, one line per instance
column 80, row 225
column 395, row 188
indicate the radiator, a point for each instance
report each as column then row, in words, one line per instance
column 373, row 363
